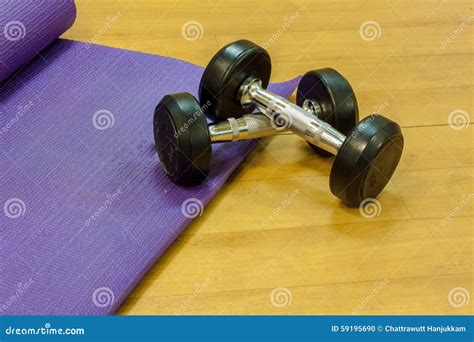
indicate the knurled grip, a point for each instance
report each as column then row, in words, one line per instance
column 250, row 126
column 257, row 126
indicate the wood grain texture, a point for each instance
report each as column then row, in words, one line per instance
column 275, row 224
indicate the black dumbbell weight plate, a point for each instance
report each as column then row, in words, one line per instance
column 366, row 160
column 182, row 139
column 225, row 73
column 335, row 96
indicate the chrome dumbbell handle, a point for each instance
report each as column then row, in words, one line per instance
column 251, row 126
column 301, row 121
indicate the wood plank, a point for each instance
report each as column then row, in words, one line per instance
column 328, row 269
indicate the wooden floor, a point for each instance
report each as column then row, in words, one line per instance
column 274, row 240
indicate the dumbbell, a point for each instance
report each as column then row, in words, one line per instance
column 367, row 153
column 183, row 138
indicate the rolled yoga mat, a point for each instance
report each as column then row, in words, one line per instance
column 87, row 209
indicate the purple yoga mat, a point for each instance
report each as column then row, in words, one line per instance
column 27, row 27
column 87, row 209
